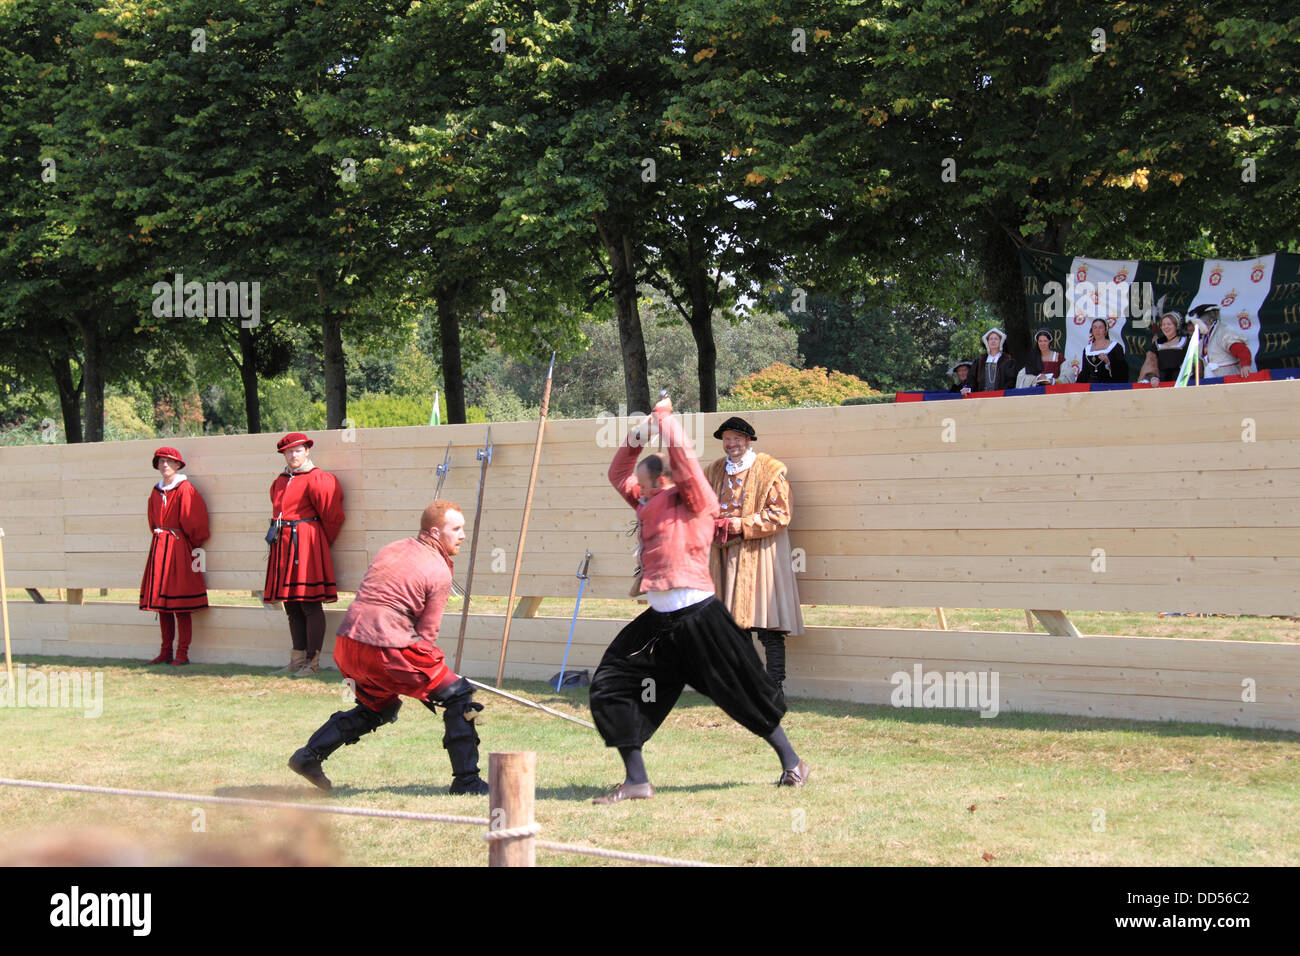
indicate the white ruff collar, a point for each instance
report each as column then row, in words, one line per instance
column 175, row 481
column 746, row 462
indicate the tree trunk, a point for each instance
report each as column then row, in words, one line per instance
column 701, row 323
column 453, row 374
column 623, row 275
column 248, row 376
column 69, row 396
column 1004, row 285
column 92, row 377
column 336, row 383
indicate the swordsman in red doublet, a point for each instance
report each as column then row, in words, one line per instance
column 687, row 636
column 172, row 585
column 306, row 517
column 387, row 648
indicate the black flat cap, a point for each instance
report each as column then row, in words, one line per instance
column 736, row 425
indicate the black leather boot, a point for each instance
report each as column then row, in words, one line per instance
column 343, row 727
column 774, row 651
column 460, row 738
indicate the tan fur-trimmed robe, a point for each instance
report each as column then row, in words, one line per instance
column 752, row 573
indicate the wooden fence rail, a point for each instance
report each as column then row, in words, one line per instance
column 1170, row 499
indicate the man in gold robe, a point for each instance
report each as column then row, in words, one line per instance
column 750, row 561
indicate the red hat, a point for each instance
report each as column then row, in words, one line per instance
column 292, row 440
column 171, row 453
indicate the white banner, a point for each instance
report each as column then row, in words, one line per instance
column 1096, row 289
column 1239, row 288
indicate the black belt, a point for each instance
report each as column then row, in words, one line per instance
column 278, row 523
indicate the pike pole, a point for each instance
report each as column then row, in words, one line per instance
column 442, row 472
column 485, row 458
column 528, row 507
column 437, row 493
column 532, row 703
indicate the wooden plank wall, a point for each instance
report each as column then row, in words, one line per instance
column 1226, row 682
column 1142, row 500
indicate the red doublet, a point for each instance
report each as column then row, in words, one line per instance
column 299, row 566
column 178, row 521
column 387, row 643
column 676, row 522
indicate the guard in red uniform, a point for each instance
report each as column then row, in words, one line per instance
column 387, row 648
column 172, row 585
column 306, row 517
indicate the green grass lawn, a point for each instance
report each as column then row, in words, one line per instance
column 890, row 787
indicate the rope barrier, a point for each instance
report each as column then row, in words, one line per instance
column 249, row 802
column 512, row 833
column 498, row 834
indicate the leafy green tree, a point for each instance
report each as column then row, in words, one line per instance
column 1087, row 130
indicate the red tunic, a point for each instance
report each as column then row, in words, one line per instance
column 299, row 566
column 388, row 641
column 676, row 522
column 178, row 520
column 402, row 596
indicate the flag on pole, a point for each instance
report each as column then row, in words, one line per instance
column 1190, row 359
column 435, row 416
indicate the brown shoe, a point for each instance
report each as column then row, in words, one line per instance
column 296, row 660
column 796, row 777
column 309, row 668
column 627, row 791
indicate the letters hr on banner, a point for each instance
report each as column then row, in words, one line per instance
column 1258, row 298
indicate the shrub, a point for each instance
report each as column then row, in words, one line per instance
column 388, row 411
column 286, row 406
column 780, row 386
column 121, row 423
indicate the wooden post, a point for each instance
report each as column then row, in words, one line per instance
column 512, row 782
column 75, row 595
column 1057, row 623
column 528, row 508
column 943, row 621
column 528, row 607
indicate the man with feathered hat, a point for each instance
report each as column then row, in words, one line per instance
column 1223, row 348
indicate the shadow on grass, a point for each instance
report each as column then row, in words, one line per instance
column 543, row 693
column 290, row 793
